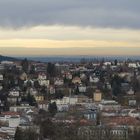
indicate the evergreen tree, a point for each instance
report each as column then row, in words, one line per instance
column 51, row 70
column 115, row 62
column 25, row 65
column 31, row 100
column 18, row 134
column 52, row 108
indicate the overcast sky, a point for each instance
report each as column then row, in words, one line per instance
column 53, row 23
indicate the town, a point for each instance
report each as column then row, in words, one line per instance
column 86, row 100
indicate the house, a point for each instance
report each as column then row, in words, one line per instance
column 43, row 105
column 29, row 82
column 7, row 62
column 93, row 79
column 109, row 113
column 76, row 80
column 13, row 100
column 21, row 108
column 51, row 90
column 14, row 96
column 97, row 96
column 132, row 65
column 132, row 102
column 44, row 82
column 58, row 82
column 32, row 91
column 1, row 77
column 103, row 132
column 7, row 133
column 82, row 99
column 109, row 105
column 113, row 68
column 83, row 76
column 130, row 91
column 65, row 100
column 134, row 113
column 14, row 121
column 89, row 114
column 39, row 98
column 1, row 87
column 82, row 88
column 72, row 100
column 24, row 121
column 40, row 68
column 42, row 76
column 63, row 107
column 107, row 63
column 2, row 67
column 14, row 93
column 6, row 115
column 108, row 85
column 126, row 75
column 67, row 75
column 23, row 76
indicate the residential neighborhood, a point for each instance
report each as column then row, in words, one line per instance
column 97, row 99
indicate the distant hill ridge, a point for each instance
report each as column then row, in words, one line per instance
column 7, row 58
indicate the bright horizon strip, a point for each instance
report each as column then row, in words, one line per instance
column 44, row 43
column 58, row 36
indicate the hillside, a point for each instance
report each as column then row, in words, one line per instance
column 6, row 58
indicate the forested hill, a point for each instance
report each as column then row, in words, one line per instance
column 6, row 58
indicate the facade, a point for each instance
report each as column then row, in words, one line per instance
column 109, row 105
column 97, row 96
column 102, row 133
column 1, row 77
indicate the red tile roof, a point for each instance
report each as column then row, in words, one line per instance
column 10, row 113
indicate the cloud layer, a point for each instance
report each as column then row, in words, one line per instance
column 95, row 13
column 96, row 51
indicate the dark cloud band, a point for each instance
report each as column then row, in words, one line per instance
column 96, row 13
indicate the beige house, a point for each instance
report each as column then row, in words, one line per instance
column 23, row 76
column 76, row 80
column 97, row 96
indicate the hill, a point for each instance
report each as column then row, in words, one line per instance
column 6, row 58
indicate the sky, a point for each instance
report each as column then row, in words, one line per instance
column 69, row 27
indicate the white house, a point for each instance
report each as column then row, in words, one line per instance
column 14, row 93
column 134, row 113
column 7, row 62
column 73, row 100
column 109, row 105
column 93, row 79
column 29, row 81
column 107, row 63
column 130, row 92
column 132, row 65
column 1, row 77
column 59, row 82
column 82, row 88
column 52, row 90
column 66, row 100
column 44, row 82
column 14, row 121
column 42, row 76
column 64, row 107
